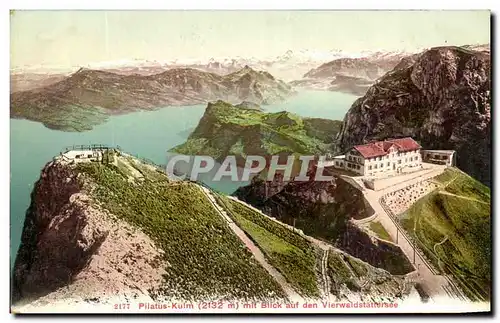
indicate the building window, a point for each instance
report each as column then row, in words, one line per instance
column 357, row 166
column 388, row 164
column 369, row 168
column 375, row 166
column 399, row 161
column 336, row 163
column 381, row 165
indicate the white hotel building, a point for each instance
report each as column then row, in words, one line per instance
column 389, row 156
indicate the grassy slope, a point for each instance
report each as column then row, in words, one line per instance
column 287, row 251
column 205, row 258
column 380, row 231
column 226, row 129
column 454, row 230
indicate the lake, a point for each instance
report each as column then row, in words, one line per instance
column 147, row 134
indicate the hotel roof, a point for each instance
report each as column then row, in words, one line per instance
column 381, row 148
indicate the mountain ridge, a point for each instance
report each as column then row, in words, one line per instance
column 87, row 96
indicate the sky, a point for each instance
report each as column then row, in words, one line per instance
column 69, row 38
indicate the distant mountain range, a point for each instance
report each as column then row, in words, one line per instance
column 351, row 75
column 292, row 65
column 355, row 75
column 86, row 97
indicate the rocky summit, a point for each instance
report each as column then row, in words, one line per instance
column 112, row 228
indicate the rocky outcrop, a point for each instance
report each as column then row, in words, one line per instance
column 73, row 248
column 319, row 208
column 376, row 252
column 441, row 98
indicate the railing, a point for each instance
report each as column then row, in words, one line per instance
column 418, row 250
column 117, row 147
column 405, row 235
column 90, row 147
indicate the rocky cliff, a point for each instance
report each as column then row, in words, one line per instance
column 72, row 246
column 441, row 98
column 319, row 208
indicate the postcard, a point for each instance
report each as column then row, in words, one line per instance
column 250, row 162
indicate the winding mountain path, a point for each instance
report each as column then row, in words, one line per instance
column 254, row 249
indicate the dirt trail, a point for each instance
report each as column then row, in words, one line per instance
column 258, row 254
column 439, row 243
column 324, row 273
column 462, row 197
